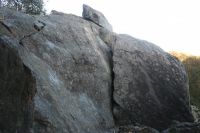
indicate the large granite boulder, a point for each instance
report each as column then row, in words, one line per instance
column 150, row 86
column 58, row 64
column 62, row 73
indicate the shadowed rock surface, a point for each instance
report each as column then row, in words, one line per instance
column 17, row 89
column 150, row 86
column 61, row 73
column 184, row 127
column 137, row 129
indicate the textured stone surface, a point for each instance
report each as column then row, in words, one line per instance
column 137, row 129
column 184, row 127
column 17, row 89
column 150, row 86
column 96, row 17
column 71, row 66
column 61, row 73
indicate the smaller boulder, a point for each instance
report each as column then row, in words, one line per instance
column 96, row 17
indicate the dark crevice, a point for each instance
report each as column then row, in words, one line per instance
column 72, row 117
column 7, row 27
column 113, row 103
column 112, row 82
column 93, row 22
column 121, row 116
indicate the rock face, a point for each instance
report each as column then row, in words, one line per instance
column 136, row 129
column 96, row 17
column 71, row 68
column 61, row 73
column 184, row 127
column 150, row 86
column 17, row 89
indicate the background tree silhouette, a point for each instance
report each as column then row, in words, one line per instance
column 28, row 6
column 192, row 66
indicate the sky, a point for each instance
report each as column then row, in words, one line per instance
column 174, row 25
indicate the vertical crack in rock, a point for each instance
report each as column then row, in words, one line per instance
column 17, row 91
column 110, row 40
column 112, row 82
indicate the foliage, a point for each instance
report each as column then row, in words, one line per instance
column 28, row 6
column 192, row 66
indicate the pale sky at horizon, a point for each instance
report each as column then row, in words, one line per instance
column 174, row 25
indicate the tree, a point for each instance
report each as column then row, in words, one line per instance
column 28, row 6
column 192, row 66
column 33, row 6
